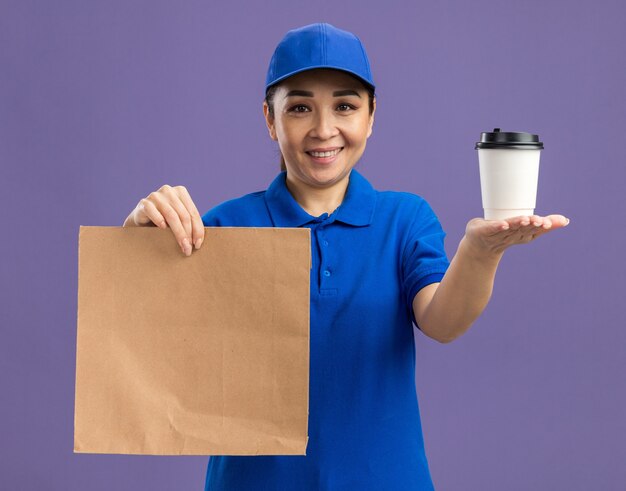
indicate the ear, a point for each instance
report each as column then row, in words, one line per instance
column 371, row 121
column 269, row 121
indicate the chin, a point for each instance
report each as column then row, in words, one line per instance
column 328, row 177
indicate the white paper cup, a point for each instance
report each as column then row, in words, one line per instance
column 509, row 173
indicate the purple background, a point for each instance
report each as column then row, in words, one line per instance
column 103, row 102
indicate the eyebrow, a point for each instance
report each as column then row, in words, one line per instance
column 337, row 93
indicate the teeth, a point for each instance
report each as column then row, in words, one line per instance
column 325, row 154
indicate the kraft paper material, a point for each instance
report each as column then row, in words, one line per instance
column 199, row 355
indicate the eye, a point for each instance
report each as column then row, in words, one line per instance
column 298, row 108
column 344, row 107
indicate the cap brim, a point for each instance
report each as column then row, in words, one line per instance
column 365, row 82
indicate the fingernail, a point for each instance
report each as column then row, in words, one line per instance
column 198, row 243
column 186, row 247
column 567, row 223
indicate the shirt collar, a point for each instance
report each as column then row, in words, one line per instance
column 356, row 209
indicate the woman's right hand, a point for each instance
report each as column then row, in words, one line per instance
column 173, row 207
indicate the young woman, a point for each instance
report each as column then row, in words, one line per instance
column 378, row 266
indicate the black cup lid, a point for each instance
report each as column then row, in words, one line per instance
column 509, row 139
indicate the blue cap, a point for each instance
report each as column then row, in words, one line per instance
column 318, row 46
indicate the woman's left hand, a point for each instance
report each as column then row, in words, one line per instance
column 493, row 237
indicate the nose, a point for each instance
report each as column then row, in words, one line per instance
column 324, row 126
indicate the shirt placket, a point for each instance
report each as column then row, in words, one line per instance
column 326, row 268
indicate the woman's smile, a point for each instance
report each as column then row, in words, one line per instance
column 324, row 156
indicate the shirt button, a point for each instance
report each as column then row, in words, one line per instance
column 326, row 273
column 325, row 242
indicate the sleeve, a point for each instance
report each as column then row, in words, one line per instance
column 424, row 259
column 211, row 218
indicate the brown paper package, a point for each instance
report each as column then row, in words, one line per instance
column 199, row 355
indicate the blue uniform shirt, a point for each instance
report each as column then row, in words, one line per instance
column 370, row 257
